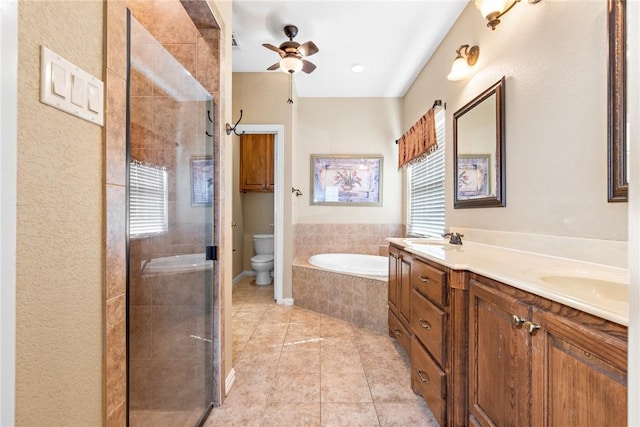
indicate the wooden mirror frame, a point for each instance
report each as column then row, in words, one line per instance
column 499, row 199
column 618, row 185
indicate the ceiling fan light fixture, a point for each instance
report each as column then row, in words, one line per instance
column 291, row 64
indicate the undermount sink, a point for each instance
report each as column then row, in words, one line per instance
column 597, row 287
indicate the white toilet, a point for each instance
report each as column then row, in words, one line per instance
column 262, row 262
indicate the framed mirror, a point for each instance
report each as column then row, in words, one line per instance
column 618, row 186
column 478, row 151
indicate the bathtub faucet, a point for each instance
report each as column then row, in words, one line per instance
column 456, row 238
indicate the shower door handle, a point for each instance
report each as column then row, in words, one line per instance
column 211, row 253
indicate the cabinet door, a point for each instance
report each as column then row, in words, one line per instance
column 579, row 374
column 405, row 288
column 499, row 359
column 393, row 279
column 256, row 162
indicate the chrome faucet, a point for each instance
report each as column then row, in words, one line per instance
column 455, row 238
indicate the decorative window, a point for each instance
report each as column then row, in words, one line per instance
column 426, row 188
column 147, row 200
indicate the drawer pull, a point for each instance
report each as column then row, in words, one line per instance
column 424, row 324
column 423, row 376
column 397, row 332
column 531, row 327
column 424, row 279
column 517, row 321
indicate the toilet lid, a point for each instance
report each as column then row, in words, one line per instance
column 262, row 258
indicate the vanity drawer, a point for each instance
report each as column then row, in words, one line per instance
column 429, row 281
column 428, row 324
column 399, row 332
column 428, row 380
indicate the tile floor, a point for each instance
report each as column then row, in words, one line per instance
column 295, row 367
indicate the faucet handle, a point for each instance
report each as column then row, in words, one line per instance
column 455, row 238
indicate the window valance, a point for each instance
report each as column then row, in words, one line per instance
column 418, row 142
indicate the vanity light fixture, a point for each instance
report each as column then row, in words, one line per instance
column 492, row 10
column 465, row 59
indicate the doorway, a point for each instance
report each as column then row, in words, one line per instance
column 278, row 203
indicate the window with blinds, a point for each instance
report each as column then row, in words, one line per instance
column 426, row 189
column 147, row 200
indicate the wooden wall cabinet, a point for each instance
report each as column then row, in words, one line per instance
column 536, row 362
column 256, row 163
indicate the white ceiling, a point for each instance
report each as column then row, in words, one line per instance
column 393, row 39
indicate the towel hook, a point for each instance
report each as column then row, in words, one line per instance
column 230, row 128
column 296, row 191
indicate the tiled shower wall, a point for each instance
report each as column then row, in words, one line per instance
column 313, row 239
column 198, row 50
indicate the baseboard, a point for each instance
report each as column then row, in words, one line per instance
column 242, row 276
column 287, row 301
column 229, row 382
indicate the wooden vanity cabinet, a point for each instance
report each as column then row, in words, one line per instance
column 536, row 362
column 256, row 163
column 399, row 283
column 438, row 347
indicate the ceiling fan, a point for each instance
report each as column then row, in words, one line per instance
column 292, row 53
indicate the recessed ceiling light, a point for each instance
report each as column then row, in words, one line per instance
column 358, row 68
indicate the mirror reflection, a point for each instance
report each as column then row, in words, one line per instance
column 478, row 150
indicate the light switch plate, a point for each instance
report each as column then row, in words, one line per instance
column 68, row 88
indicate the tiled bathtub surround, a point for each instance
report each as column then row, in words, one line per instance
column 311, row 239
column 358, row 300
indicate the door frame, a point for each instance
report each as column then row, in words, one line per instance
column 278, row 202
column 8, row 206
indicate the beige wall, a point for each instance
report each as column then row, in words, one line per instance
column 348, row 126
column 60, row 223
column 554, row 57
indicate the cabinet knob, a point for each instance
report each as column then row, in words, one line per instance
column 424, row 279
column 517, row 321
column 397, row 332
column 424, row 324
column 423, row 376
column 531, row 327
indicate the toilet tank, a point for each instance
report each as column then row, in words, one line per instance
column 263, row 244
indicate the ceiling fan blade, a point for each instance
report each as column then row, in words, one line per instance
column 307, row 49
column 307, row 66
column 274, row 66
column 274, row 48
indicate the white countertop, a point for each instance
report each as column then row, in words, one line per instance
column 581, row 285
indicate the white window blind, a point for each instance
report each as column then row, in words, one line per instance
column 426, row 189
column 147, row 200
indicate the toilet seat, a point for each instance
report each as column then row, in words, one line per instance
column 262, row 258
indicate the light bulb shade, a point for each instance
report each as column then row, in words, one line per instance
column 291, row 64
column 459, row 69
column 487, row 7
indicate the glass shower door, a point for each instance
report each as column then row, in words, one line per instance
column 170, row 193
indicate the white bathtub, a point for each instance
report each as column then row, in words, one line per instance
column 175, row 264
column 358, row 264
